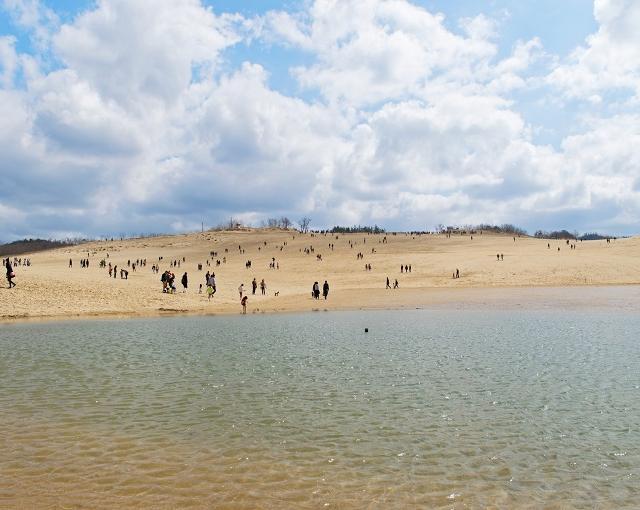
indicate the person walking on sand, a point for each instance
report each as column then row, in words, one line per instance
column 396, row 285
column 388, row 286
column 185, row 281
column 263, row 287
column 10, row 274
column 254, row 286
column 243, row 302
column 211, row 282
column 325, row 289
column 241, row 289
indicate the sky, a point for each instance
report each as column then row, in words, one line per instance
column 128, row 117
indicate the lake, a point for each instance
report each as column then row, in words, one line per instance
column 429, row 409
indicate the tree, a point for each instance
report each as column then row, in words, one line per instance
column 304, row 223
column 285, row 222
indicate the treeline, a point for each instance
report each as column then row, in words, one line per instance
column 282, row 222
column 357, row 229
column 555, row 234
column 32, row 245
column 593, row 236
column 506, row 228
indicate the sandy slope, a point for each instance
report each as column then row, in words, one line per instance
column 49, row 288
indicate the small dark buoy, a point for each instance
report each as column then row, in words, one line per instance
column 366, row 330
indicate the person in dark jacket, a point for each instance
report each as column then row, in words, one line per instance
column 325, row 289
column 185, row 281
column 10, row 275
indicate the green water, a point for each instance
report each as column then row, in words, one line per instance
column 428, row 409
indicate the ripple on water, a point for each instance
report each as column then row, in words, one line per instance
column 430, row 410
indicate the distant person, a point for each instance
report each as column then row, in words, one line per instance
column 457, row 273
column 185, row 282
column 316, row 290
column 396, row 285
column 502, row 256
column 10, row 274
column 241, row 289
column 263, row 287
column 70, row 263
column 243, row 302
column 388, row 286
column 254, row 286
column 325, row 289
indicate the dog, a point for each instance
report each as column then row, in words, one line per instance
column 276, row 293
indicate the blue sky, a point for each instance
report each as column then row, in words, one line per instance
column 358, row 111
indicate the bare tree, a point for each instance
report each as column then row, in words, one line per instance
column 285, row 222
column 272, row 222
column 304, row 223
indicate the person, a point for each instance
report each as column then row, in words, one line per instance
column 70, row 263
column 325, row 289
column 263, row 287
column 457, row 273
column 396, row 285
column 241, row 289
column 243, row 302
column 200, row 291
column 211, row 283
column 316, row 290
column 10, row 274
column 185, row 281
column 254, row 286
column 388, row 286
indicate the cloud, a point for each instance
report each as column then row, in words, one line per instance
column 8, row 61
column 609, row 60
column 145, row 124
column 38, row 19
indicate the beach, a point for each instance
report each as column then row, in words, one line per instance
column 531, row 272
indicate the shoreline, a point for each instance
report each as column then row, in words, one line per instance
column 613, row 297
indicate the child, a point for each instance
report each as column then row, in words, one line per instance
column 243, row 302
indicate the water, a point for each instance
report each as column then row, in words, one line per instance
column 427, row 410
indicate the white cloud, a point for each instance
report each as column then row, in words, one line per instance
column 141, row 128
column 35, row 17
column 376, row 50
column 8, row 61
column 610, row 59
column 137, row 52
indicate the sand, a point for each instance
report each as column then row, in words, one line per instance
column 530, row 274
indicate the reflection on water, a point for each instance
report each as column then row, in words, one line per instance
column 428, row 409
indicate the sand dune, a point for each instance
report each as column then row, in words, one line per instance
column 50, row 289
